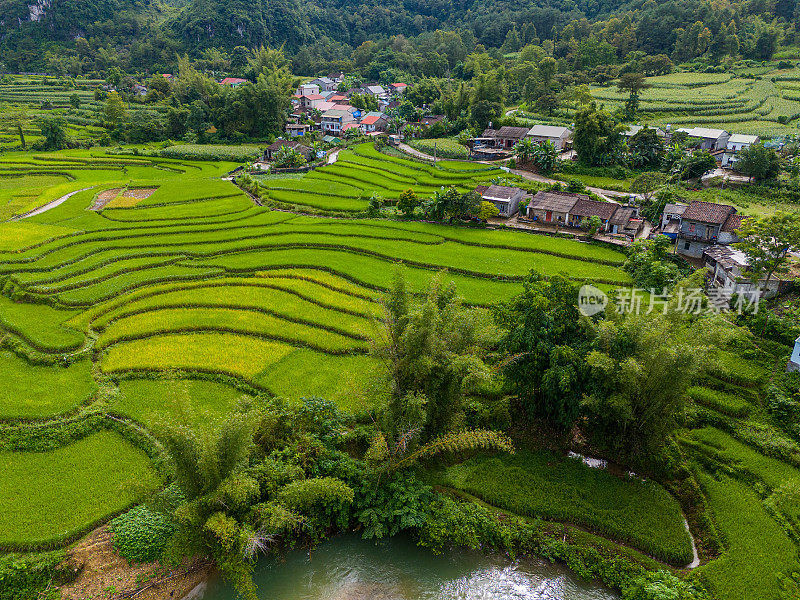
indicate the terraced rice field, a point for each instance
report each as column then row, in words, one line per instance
column 153, row 291
column 760, row 101
column 362, row 171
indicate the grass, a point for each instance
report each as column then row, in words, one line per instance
column 757, row 551
column 33, row 392
column 725, row 403
column 192, row 402
column 245, row 357
column 444, row 148
column 553, row 487
column 56, row 495
column 15, row 236
column 40, row 326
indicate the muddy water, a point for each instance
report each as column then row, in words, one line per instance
column 349, row 568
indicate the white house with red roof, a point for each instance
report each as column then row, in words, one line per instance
column 397, row 88
column 233, row 81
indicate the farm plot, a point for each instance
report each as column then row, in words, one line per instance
column 38, row 391
column 753, row 101
column 541, row 484
column 48, row 498
column 178, row 298
column 358, row 173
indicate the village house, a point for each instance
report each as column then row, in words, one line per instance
column 634, row 129
column 375, row 90
column 553, row 207
column 272, row 149
column 704, row 138
column 397, row 89
column 233, row 81
column 373, row 122
column 505, row 137
column 334, row 120
column 311, row 101
column 325, row 84
column 505, row 198
column 585, row 208
column 705, row 224
column 736, row 143
column 727, row 267
column 559, row 136
column 308, row 89
column 626, row 221
column 139, row 90
column 296, row 129
column 671, row 218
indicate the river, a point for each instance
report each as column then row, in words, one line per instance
column 349, row 568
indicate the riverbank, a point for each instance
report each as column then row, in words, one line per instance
column 102, row 573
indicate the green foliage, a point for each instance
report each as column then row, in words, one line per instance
column 649, row 266
column 759, row 162
column 597, row 137
column 487, row 211
column 641, row 367
column 768, row 242
column 288, row 158
column 25, row 576
column 434, row 351
column 408, row 202
column 142, row 534
column 544, row 340
column 662, row 586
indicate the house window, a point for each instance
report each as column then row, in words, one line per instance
column 687, row 245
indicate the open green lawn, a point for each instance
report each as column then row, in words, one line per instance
column 542, row 484
column 35, row 391
column 52, row 496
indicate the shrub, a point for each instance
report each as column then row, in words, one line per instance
column 142, row 534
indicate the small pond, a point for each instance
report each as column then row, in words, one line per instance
column 349, row 568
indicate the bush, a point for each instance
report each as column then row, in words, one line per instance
column 141, row 535
column 26, row 576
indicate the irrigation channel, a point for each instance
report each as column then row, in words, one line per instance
column 350, row 568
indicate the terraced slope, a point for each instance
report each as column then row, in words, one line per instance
column 157, row 291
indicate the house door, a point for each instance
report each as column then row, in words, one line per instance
column 548, row 216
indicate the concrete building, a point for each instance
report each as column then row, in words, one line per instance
column 559, row 136
column 505, row 198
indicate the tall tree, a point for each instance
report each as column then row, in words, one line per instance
column 545, row 341
column 758, row 162
column 633, row 83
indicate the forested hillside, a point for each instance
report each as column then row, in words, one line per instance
column 147, row 35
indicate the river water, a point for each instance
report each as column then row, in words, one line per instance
column 349, row 568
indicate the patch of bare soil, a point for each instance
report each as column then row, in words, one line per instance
column 104, row 198
column 139, row 193
column 104, row 575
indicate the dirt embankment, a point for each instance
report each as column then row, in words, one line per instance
column 103, row 574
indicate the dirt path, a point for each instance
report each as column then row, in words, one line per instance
column 333, row 156
column 103, row 574
column 49, row 205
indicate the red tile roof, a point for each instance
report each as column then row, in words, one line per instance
column 370, row 120
column 733, row 222
column 400, row 84
column 336, row 98
column 313, row 97
column 586, row 207
column 347, row 126
column 708, row 212
column 232, row 81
